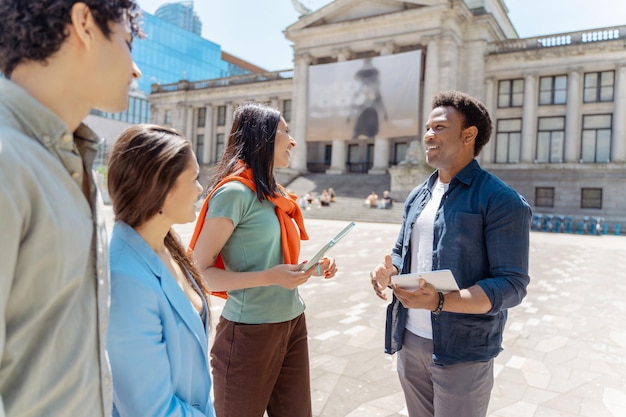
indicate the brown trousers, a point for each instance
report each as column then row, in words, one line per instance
column 259, row 367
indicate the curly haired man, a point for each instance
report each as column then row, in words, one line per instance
column 60, row 59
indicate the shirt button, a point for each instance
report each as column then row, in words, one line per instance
column 46, row 138
column 67, row 138
column 76, row 175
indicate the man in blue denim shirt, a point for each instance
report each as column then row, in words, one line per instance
column 467, row 220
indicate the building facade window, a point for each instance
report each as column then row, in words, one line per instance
column 201, row 117
column 138, row 111
column 508, row 141
column 596, row 138
column 167, row 118
column 399, row 152
column 553, row 89
column 511, row 93
column 328, row 154
column 591, row 198
column 544, row 197
column 221, row 115
column 286, row 113
column 550, row 139
column 599, row 86
column 219, row 146
column 200, row 149
column 355, row 164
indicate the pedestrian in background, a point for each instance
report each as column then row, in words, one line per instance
column 465, row 219
column 386, row 202
column 371, row 200
column 158, row 332
column 60, row 59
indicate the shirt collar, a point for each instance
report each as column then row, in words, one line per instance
column 37, row 120
column 465, row 176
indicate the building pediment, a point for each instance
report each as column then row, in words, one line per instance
column 349, row 10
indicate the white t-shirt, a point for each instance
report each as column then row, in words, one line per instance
column 418, row 321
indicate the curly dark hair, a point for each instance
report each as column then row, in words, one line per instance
column 33, row 30
column 473, row 111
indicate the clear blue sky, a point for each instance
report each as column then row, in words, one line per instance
column 253, row 29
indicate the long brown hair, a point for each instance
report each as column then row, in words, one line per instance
column 144, row 165
column 251, row 140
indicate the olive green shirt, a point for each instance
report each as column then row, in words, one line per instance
column 254, row 246
column 54, row 281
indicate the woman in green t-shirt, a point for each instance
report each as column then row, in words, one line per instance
column 247, row 243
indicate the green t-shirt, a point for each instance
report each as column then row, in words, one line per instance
column 254, row 246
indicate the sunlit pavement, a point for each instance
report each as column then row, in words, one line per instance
column 564, row 349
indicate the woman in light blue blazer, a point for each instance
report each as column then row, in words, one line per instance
column 159, row 322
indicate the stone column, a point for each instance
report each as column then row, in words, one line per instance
column 182, row 120
column 209, row 133
column 618, row 141
column 338, row 157
column 486, row 156
column 529, row 118
column 449, row 63
column 431, row 81
column 381, row 156
column 300, row 110
column 338, row 154
column 573, row 116
column 190, row 126
column 154, row 114
column 228, row 123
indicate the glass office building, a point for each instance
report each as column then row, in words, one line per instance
column 182, row 15
column 168, row 54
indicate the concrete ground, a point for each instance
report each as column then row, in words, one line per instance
column 564, row 346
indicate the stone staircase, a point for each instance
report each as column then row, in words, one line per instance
column 354, row 209
column 350, row 191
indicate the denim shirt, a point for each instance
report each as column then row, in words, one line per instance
column 481, row 233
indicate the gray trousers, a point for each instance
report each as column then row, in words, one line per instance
column 461, row 390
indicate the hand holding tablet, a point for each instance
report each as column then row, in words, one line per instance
column 442, row 279
column 312, row 263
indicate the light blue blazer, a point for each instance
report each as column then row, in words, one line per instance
column 157, row 342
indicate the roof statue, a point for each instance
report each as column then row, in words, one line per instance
column 301, row 8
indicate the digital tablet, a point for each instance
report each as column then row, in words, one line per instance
column 312, row 263
column 442, row 279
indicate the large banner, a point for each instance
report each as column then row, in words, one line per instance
column 364, row 98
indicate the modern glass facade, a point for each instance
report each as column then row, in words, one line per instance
column 138, row 110
column 170, row 53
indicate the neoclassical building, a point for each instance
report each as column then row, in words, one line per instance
column 365, row 72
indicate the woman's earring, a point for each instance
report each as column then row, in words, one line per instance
column 160, row 211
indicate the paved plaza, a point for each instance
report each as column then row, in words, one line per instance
column 564, row 349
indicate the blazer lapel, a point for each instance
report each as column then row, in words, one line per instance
column 175, row 295
column 183, row 307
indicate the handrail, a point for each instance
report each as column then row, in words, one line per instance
column 184, row 85
column 582, row 37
